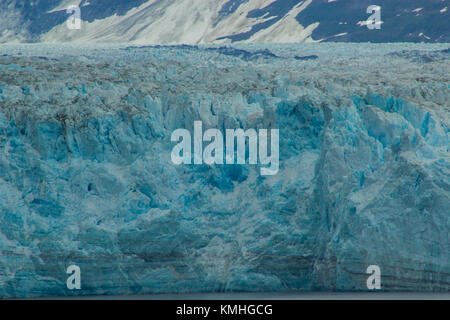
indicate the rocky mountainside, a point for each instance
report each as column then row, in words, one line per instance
column 216, row 21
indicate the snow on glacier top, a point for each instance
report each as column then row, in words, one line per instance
column 340, row 70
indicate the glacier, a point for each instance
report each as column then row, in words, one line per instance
column 86, row 177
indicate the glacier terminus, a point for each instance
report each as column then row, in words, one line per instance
column 87, row 180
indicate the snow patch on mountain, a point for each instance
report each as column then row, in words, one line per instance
column 65, row 4
column 11, row 24
column 287, row 29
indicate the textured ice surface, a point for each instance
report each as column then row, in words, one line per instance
column 86, row 176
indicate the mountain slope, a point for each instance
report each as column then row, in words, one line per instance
column 217, row 21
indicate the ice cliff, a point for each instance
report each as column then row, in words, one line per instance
column 86, row 176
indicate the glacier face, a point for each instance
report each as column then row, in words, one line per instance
column 86, row 176
column 218, row 21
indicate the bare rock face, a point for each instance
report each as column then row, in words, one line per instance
column 86, row 176
column 220, row 21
